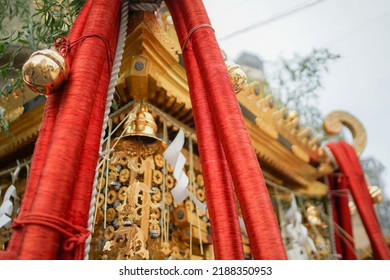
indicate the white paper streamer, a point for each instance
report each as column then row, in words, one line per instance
column 180, row 193
column 11, row 192
column 4, row 220
column 7, row 206
column 174, row 156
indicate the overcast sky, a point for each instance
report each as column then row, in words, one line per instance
column 358, row 30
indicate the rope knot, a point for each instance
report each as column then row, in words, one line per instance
column 74, row 235
column 62, row 45
column 75, row 240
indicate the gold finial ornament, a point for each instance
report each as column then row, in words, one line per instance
column 376, row 194
column 45, row 71
column 334, row 122
column 237, row 76
column 140, row 130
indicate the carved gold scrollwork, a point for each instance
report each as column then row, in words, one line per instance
column 334, row 122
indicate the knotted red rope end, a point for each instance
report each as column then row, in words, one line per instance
column 75, row 235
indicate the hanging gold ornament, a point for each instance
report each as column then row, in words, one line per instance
column 45, row 71
column 237, row 76
column 140, row 134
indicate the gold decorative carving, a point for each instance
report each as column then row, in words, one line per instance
column 142, row 219
column 286, row 166
column 282, row 122
column 334, row 122
column 237, row 76
column 283, row 144
column 263, row 125
column 130, row 243
column 23, row 131
column 160, row 34
column 165, row 78
column 300, row 153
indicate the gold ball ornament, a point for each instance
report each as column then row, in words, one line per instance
column 45, row 71
column 237, row 76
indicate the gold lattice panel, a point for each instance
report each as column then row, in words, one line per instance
column 137, row 217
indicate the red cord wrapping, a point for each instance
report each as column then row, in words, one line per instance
column 349, row 164
column 78, row 211
column 59, row 169
column 80, row 204
column 43, row 140
column 74, row 234
column 342, row 214
column 219, row 191
column 263, row 232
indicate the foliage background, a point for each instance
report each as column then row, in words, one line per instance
column 29, row 26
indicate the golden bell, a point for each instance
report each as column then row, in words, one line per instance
column 140, row 129
column 376, row 194
column 45, row 71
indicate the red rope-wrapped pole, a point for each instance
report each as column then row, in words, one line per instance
column 45, row 132
column 349, row 164
column 80, row 204
column 47, row 220
column 345, row 247
column 261, row 224
column 219, row 191
column 362, row 198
